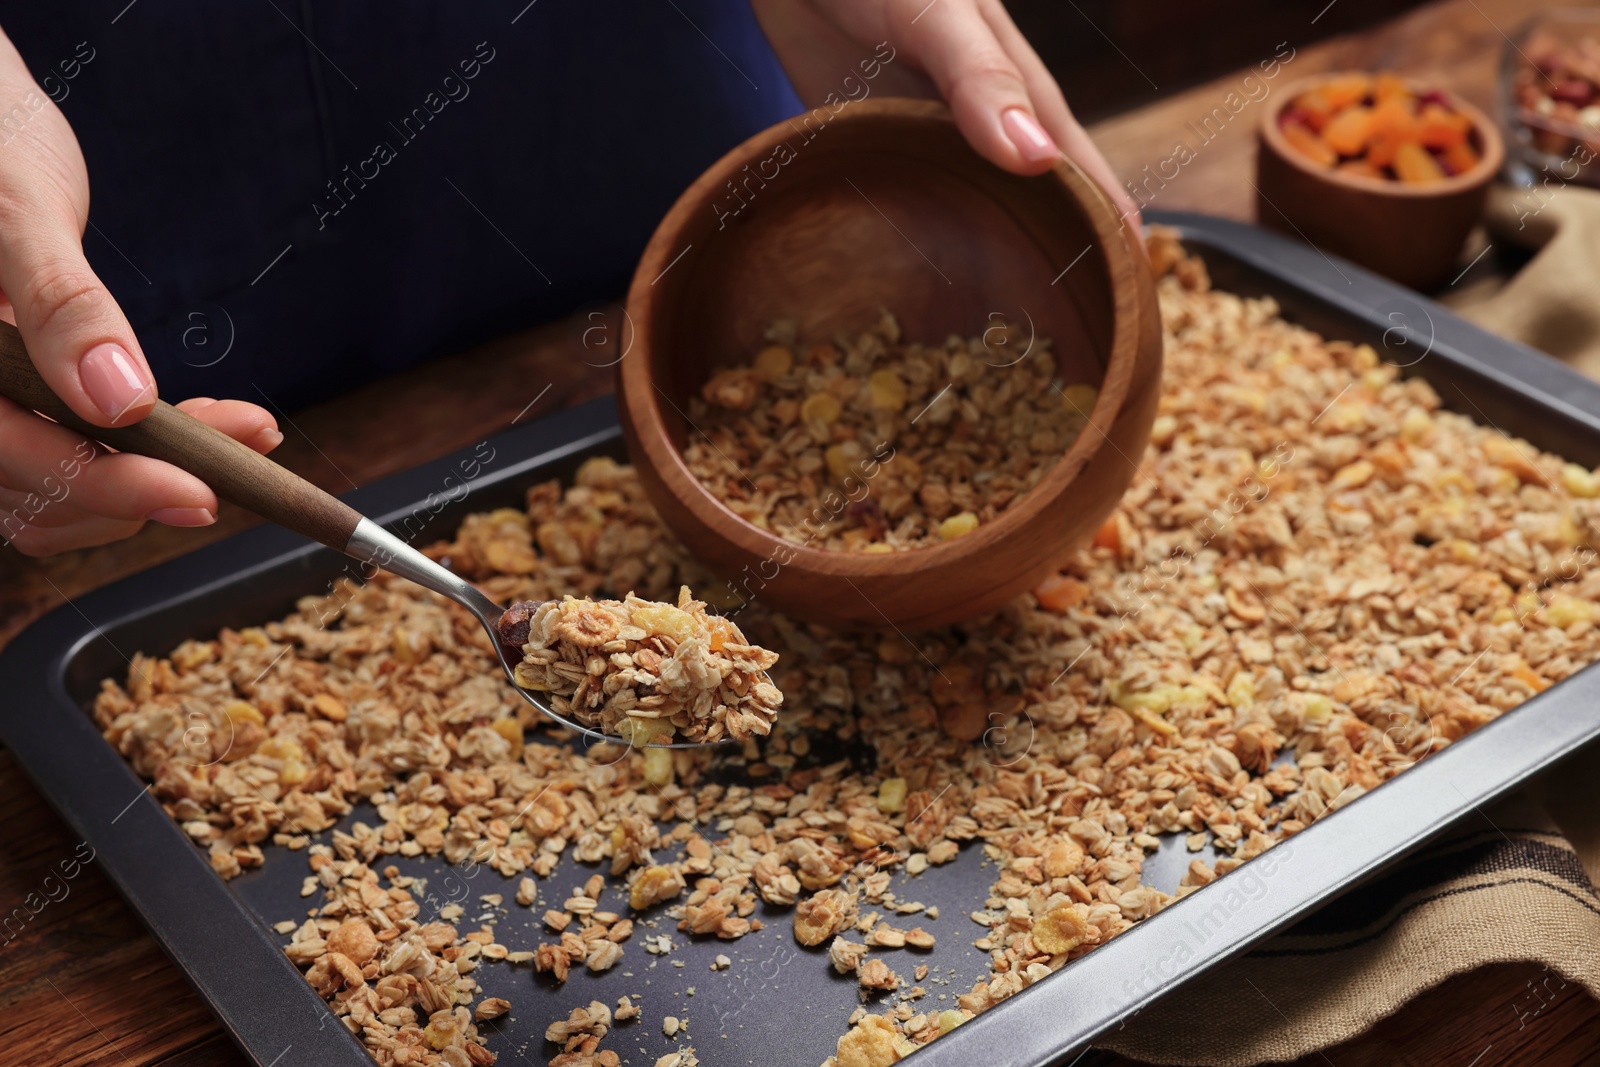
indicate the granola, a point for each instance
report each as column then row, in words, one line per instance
column 818, row 918
column 399, row 984
column 579, row 1038
column 1318, row 577
column 644, row 671
column 876, row 444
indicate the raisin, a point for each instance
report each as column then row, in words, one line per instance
column 513, row 625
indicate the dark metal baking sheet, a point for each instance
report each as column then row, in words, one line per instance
column 779, row 1003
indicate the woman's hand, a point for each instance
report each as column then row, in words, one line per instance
column 57, row 490
column 967, row 51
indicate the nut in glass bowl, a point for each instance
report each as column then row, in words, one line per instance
column 1550, row 98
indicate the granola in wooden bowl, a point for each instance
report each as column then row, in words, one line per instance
column 926, row 441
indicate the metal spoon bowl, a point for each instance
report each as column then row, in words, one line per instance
column 245, row 477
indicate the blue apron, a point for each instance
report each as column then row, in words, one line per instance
column 292, row 197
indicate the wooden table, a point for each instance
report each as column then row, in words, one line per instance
column 84, row 983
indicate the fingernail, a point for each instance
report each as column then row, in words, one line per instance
column 1029, row 137
column 182, row 516
column 113, row 379
column 268, row 439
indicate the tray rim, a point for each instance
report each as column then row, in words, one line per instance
column 70, row 763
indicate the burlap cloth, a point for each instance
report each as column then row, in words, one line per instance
column 1552, row 303
column 1519, row 884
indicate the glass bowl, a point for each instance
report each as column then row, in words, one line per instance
column 1549, row 98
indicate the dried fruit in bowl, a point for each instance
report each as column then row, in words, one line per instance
column 1375, row 126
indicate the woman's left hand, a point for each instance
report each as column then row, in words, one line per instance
column 967, row 51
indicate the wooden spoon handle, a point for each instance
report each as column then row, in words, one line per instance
column 234, row 471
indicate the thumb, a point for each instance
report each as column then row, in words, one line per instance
column 77, row 336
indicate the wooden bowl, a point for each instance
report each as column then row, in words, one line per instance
column 1412, row 233
column 885, row 205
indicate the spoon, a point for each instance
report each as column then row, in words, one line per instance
column 239, row 474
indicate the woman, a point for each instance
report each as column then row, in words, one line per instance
column 296, row 196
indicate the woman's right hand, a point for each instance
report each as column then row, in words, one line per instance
column 58, row 491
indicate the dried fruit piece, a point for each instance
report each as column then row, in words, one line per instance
column 1580, row 481
column 665, row 620
column 1315, row 107
column 652, row 885
column 886, row 390
column 958, row 526
column 1080, row 398
column 892, row 796
column 1347, row 132
column 658, row 766
column 1412, row 163
column 1565, row 609
column 238, row 712
column 511, row 730
column 820, row 410
column 513, row 625
column 1346, row 90
column 1503, row 452
column 1439, row 128
column 773, row 362
column 1460, row 158
column 1109, row 535
column 1060, row 592
column 1387, row 86
column 1360, row 168
column 1305, row 140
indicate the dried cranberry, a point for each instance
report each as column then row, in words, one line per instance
column 867, row 512
column 1574, row 91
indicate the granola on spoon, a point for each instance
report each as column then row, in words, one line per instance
column 644, row 671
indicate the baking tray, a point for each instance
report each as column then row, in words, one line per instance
column 778, row 1003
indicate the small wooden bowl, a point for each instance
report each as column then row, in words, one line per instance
column 829, row 219
column 1409, row 232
